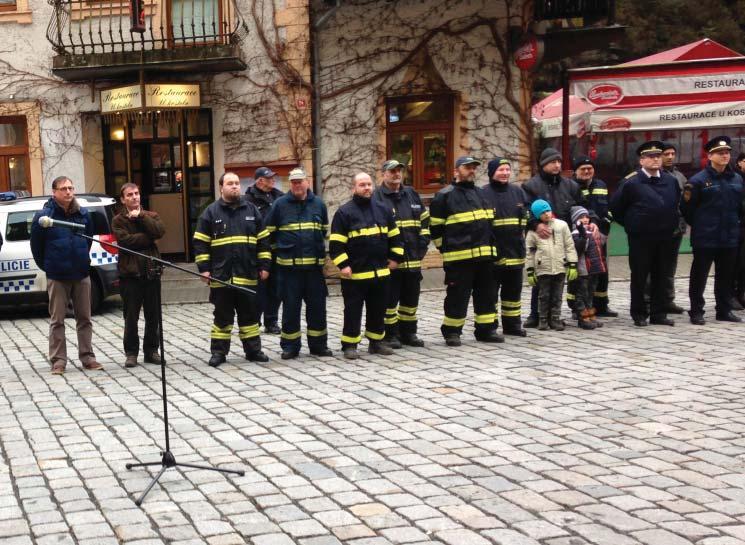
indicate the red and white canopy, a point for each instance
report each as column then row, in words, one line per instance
column 701, row 84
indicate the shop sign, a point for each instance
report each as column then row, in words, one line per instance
column 157, row 96
column 605, row 94
column 121, row 99
column 529, row 54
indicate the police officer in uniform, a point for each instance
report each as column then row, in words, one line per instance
column 232, row 245
column 510, row 206
column 595, row 194
column 712, row 206
column 669, row 152
column 298, row 223
column 263, row 194
column 404, row 286
column 646, row 204
column 365, row 244
column 461, row 226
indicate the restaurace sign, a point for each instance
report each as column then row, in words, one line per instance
column 157, row 96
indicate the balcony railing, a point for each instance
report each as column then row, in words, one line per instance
column 569, row 9
column 94, row 39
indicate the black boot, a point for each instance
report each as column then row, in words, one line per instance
column 489, row 337
column 531, row 322
column 412, row 340
column 543, row 324
column 216, row 359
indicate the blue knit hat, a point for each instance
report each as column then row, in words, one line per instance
column 539, row 207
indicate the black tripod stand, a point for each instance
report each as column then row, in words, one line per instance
column 167, row 458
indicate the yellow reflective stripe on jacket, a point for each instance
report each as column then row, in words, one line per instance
column 299, row 261
column 394, row 232
column 264, row 255
column 511, row 261
column 397, row 250
column 473, row 215
column 262, row 234
column 599, row 191
column 436, row 221
column 408, row 223
column 424, row 232
column 340, row 258
column 201, row 258
column 371, row 274
column 424, row 215
column 237, row 239
column 410, row 265
column 271, row 228
column 481, row 251
column 338, row 238
column 240, row 281
column 300, row 226
column 368, row 232
column 505, row 221
column 201, row 236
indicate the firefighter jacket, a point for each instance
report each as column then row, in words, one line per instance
column 412, row 219
column 263, row 200
column 595, row 196
column 298, row 231
column 364, row 236
column 560, row 193
column 712, row 205
column 461, row 224
column 510, row 205
column 231, row 243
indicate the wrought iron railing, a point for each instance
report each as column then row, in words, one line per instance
column 568, row 9
column 82, row 27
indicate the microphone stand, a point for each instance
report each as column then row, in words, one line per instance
column 167, row 460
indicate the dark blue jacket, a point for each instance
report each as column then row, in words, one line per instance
column 412, row 220
column 646, row 208
column 595, row 194
column 712, row 206
column 298, row 230
column 58, row 252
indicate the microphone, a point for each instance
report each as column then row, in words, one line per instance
column 46, row 222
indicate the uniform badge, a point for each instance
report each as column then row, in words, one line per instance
column 687, row 193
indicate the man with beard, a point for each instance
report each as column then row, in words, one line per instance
column 712, row 205
column 365, row 244
column 669, row 153
column 412, row 220
column 232, row 245
column 562, row 194
column 595, row 193
column 461, row 223
column 510, row 207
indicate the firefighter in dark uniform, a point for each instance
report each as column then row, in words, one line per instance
column 646, row 204
column 461, row 226
column 404, row 286
column 232, row 245
column 298, row 223
column 712, row 206
column 263, row 194
column 509, row 203
column 595, row 194
column 365, row 244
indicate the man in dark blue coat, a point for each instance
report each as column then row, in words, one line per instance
column 646, row 204
column 64, row 257
column 712, row 206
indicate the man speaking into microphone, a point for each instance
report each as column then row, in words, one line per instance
column 64, row 258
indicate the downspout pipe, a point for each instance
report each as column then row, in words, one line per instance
column 318, row 25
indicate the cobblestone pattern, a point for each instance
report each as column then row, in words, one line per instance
column 617, row 436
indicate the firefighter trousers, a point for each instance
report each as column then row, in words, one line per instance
column 372, row 294
column 298, row 285
column 508, row 287
column 229, row 302
column 463, row 280
column 403, row 300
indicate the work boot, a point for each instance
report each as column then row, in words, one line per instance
column 290, row 354
column 379, row 347
column 272, row 329
column 735, row 304
column 350, row 352
column 672, row 308
column 216, row 359
column 452, row 340
column 489, row 337
column 393, row 342
column 606, row 313
column 697, row 318
column 257, row 355
column 728, row 317
column 131, row 360
column 515, row 331
column 592, row 315
column 543, row 324
column 412, row 340
column 556, row 323
column 661, row 320
column 531, row 322
column 322, row 352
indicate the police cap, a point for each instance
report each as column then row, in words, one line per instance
column 652, row 147
column 718, row 143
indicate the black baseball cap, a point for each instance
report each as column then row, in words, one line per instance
column 264, row 172
column 466, row 160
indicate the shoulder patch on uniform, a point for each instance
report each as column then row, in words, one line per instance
column 629, row 175
column 687, row 192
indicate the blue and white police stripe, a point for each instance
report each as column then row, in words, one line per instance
column 14, row 286
column 103, row 257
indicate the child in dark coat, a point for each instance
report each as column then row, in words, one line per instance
column 588, row 241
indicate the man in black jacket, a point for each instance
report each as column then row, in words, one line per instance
column 561, row 193
column 412, row 220
column 262, row 195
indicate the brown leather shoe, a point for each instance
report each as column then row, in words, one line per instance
column 131, row 361
column 92, row 366
column 58, row 368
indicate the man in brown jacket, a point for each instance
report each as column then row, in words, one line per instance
column 138, row 229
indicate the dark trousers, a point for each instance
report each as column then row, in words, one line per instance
column 229, row 302
column 739, row 274
column 267, row 300
column 403, row 301
column 508, row 287
column 583, row 288
column 600, row 295
column 654, row 259
column 670, row 280
column 372, row 294
column 298, row 285
column 550, row 290
column 463, row 280
column 137, row 294
column 724, row 266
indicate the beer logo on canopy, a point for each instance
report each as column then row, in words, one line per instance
column 529, row 54
column 615, row 124
column 605, row 94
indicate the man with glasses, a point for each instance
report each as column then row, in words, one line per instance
column 64, row 258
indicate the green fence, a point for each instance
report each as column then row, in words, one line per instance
column 618, row 243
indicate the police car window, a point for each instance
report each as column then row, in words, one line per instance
column 99, row 219
column 19, row 226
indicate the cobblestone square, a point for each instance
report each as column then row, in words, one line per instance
column 616, row 436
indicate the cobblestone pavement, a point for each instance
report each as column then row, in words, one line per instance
column 613, row 437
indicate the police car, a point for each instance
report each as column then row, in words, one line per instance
column 21, row 280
